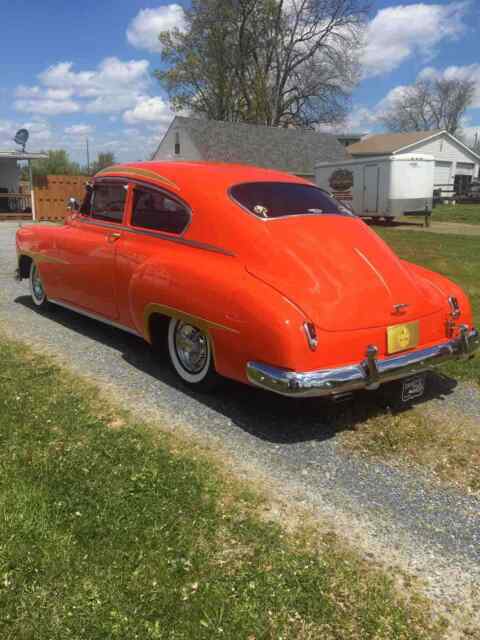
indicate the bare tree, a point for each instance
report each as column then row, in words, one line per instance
column 438, row 103
column 274, row 62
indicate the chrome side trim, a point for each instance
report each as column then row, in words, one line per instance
column 95, row 316
column 157, row 234
column 163, row 309
column 369, row 374
column 179, row 240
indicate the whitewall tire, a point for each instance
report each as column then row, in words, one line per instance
column 37, row 291
column 190, row 352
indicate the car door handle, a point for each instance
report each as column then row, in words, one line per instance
column 114, row 236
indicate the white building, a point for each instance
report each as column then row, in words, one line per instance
column 455, row 163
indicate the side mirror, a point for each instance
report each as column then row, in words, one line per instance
column 73, row 204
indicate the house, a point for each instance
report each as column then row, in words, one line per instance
column 292, row 150
column 456, row 165
column 14, row 201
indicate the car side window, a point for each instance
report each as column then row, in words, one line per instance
column 154, row 210
column 108, row 202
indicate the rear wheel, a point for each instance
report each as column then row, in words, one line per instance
column 37, row 291
column 190, row 353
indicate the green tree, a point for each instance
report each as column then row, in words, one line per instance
column 103, row 161
column 273, row 62
column 57, row 163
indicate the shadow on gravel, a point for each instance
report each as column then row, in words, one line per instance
column 266, row 416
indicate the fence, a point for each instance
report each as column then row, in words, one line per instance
column 52, row 194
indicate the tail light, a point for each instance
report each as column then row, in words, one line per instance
column 454, row 307
column 311, row 334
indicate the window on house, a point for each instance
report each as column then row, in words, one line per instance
column 108, row 202
column 154, row 210
column 177, row 143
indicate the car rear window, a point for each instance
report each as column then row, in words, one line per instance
column 278, row 199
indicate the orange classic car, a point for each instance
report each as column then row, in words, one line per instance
column 247, row 273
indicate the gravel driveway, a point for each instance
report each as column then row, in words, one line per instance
column 290, row 445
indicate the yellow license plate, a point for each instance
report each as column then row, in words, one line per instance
column 402, row 336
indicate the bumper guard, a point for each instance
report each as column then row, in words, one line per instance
column 369, row 374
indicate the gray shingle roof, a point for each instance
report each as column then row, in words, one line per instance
column 292, row 150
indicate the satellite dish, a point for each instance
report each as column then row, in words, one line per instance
column 21, row 138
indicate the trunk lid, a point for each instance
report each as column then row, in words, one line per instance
column 339, row 272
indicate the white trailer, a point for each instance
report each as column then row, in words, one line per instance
column 383, row 186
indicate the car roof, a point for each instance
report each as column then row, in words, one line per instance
column 178, row 175
column 204, row 187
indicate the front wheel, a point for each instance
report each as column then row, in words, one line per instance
column 190, row 353
column 39, row 297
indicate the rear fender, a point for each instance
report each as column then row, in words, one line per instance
column 245, row 318
column 448, row 289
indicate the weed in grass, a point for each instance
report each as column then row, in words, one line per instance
column 111, row 530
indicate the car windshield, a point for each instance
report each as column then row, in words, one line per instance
column 278, row 199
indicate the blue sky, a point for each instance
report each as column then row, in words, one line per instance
column 71, row 70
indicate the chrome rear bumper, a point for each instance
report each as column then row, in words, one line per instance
column 369, row 374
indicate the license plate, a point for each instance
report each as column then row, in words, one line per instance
column 413, row 388
column 402, row 336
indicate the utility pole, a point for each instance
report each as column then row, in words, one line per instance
column 88, row 158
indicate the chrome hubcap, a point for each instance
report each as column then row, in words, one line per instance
column 37, row 285
column 191, row 346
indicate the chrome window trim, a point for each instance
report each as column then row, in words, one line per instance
column 163, row 190
column 294, row 215
column 160, row 235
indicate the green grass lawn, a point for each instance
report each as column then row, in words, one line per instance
column 111, row 529
column 455, row 256
column 465, row 213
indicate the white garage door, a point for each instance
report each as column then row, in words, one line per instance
column 443, row 173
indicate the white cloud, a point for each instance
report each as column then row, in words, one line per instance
column 111, row 75
column 46, row 106
column 149, row 110
column 79, row 130
column 113, row 86
column 397, row 33
column 144, row 29
column 38, row 92
column 45, row 101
